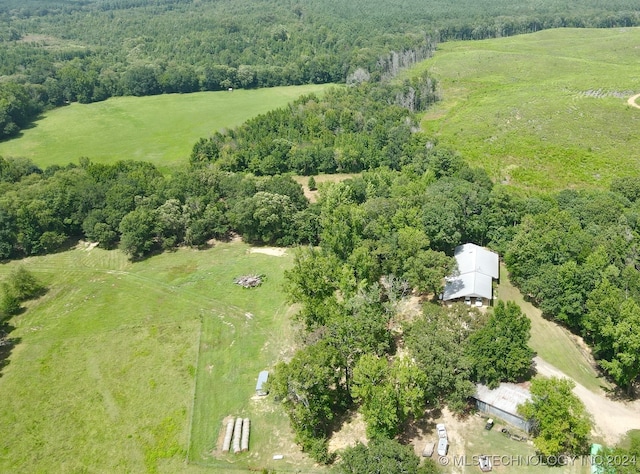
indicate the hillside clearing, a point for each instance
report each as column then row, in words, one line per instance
column 544, row 111
column 161, row 129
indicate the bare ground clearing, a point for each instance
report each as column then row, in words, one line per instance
column 350, row 433
column 273, row 251
column 312, row 196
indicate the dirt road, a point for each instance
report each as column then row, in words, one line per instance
column 632, row 101
column 612, row 419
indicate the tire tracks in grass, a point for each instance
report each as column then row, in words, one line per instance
column 193, row 298
column 109, row 402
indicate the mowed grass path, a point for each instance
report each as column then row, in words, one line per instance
column 555, row 344
column 161, row 129
column 546, row 111
column 104, row 374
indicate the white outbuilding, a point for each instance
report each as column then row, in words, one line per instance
column 261, row 390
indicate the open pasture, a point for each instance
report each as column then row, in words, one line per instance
column 106, row 365
column 545, row 111
column 160, row 129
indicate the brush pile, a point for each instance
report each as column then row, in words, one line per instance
column 249, row 281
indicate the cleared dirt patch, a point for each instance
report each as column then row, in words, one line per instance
column 312, row 196
column 273, row 251
column 350, row 433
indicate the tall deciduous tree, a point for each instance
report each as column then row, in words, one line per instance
column 357, row 327
column 427, row 269
column 389, row 392
column 138, row 229
column 499, row 350
column 310, row 387
column 312, row 281
column 624, row 366
column 437, row 343
column 561, row 422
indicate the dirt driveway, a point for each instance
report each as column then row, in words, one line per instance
column 612, row 419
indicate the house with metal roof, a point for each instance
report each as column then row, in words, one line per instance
column 473, row 282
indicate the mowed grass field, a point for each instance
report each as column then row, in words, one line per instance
column 546, row 110
column 107, row 363
column 160, row 129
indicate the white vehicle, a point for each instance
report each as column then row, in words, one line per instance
column 485, row 463
column 443, row 447
column 442, row 432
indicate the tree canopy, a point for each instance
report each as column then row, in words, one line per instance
column 20, row 286
column 561, row 423
column 383, row 456
column 499, row 350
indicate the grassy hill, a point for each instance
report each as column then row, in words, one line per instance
column 106, row 365
column 547, row 110
column 161, row 129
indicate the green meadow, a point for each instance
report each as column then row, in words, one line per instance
column 544, row 111
column 160, row 129
column 131, row 367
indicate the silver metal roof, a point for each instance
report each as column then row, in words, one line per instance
column 506, row 397
column 473, row 258
column 470, row 284
column 477, row 267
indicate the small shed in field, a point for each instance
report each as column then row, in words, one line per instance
column 262, row 380
column 502, row 402
column 477, row 268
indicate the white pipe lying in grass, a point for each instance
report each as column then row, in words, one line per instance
column 246, row 426
column 226, row 445
column 237, row 431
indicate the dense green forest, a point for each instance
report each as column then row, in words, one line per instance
column 55, row 52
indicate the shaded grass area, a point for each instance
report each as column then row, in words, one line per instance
column 552, row 342
column 547, row 110
column 633, row 435
column 103, row 376
column 160, row 129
